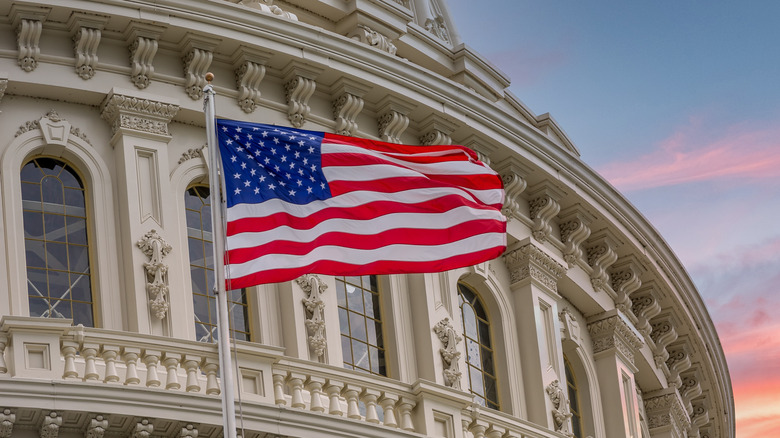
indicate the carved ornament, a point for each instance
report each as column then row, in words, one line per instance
column 543, row 208
column 268, row 8
column 156, row 248
column 666, row 410
column 614, row 332
column 86, row 30
column 7, row 420
column 625, row 277
column 192, row 153
column 645, row 307
column 512, row 173
column 138, row 114
column 369, row 36
column 315, row 311
column 28, row 23
column 143, row 429
column 600, row 256
column 50, row 427
column 142, row 39
column 530, row 261
column 345, row 110
column 449, row 352
column 96, row 427
column 298, row 90
column 560, row 411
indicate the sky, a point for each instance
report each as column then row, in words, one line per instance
column 677, row 104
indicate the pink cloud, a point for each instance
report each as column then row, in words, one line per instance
column 691, row 154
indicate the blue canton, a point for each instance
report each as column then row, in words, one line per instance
column 262, row 162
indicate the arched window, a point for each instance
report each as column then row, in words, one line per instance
column 360, row 319
column 197, row 201
column 476, row 329
column 574, row 400
column 59, row 282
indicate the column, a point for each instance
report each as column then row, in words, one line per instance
column 147, row 215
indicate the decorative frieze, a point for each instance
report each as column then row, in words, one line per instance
column 50, row 426
column 611, row 331
column 369, row 36
column 192, row 153
column 625, row 277
column 156, row 248
column 124, row 112
column 665, row 410
column 449, row 352
column 315, row 311
column 28, row 22
column 543, row 207
column 142, row 39
column 512, row 173
column 250, row 71
column 560, row 410
column 600, row 251
column 7, row 420
column 530, row 261
column 574, row 226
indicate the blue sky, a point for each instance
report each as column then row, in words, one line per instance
column 677, row 103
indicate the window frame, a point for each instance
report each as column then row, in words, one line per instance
column 489, row 403
column 382, row 351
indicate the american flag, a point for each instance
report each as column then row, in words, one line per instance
column 303, row 202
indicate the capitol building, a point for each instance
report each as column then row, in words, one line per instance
column 587, row 326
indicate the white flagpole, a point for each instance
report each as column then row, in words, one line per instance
column 223, row 321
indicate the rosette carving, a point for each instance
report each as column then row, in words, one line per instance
column 156, row 248
column 449, row 352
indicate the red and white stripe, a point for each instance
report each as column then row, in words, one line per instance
column 395, row 209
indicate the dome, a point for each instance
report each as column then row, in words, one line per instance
column 588, row 324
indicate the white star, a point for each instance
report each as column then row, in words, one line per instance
column 273, row 151
column 257, row 190
column 243, row 164
column 311, row 150
column 249, row 136
column 313, row 168
column 236, row 175
column 287, row 175
column 224, row 129
column 300, row 183
column 301, row 143
column 276, row 168
column 276, row 140
column 292, row 137
column 287, row 147
column 262, row 178
column 284, row 158
column 238, row 129
column 247, row 183
column 228, row 141
column 305, row 161
column 298, row 155
column 271, row 186
column 233, row 159
column 265, row 134
column 300, row 172
column 237, row 191
column 309, row 189
column 253, row 172
column 292, row 192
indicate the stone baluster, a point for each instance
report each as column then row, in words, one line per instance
column 110, row 353
column 191, row 364
column 152, row 361
column 210, row 367
column 334, row 388
column 478, row 428
column 279, row 397
column 69, row 350
column 171, row 363
column 351, row 393
column 89, row 352
column 295, row 381
column 314, row 386
column 130, row 357
column 388, row 403
column 404, row 409
column 495, row 431
column 370, row 397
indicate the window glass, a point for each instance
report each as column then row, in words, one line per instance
column 197, row 201
column 479, row 351
column 360, row 320
column 574, row 401
column 59, row 280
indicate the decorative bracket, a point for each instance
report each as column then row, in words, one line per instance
column 679, row 361
column 601, row 255
column 393, row 120
column 625, row 276
column 96, row 427
column 156, row 248
column 7, row 420
column 512, row 173
column 574, row 224
column 28, row 22
column 348, row 104
column 437, row 131
column 543, row 207
column 198, row 53
column 143, row 429
column 50, row 427
column 645, row 306
column 315, row 315
column 449, row 353
column 250, row 71
column 298, row 88
column 663, row 334
column 86, row 30
column 142, row 39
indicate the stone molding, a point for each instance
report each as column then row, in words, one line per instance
column 156, row 248
column 50, row 426
column 192, row 153
column 449, row 352
column 123, row 111
column 315, row 311
column 666, row 410
column 28, row 23
column 143, row 429
column 574, row 226
column 530, row 261
column 611, row 330
column 96, row 427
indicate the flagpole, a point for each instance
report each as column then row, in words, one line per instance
column 223, row 320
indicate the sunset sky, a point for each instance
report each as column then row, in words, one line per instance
column 677, row 104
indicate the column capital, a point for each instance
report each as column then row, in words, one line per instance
column 141, row 114
column 612, row 331
column 526, row 260
column 665, row 410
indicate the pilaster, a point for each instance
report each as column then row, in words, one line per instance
column 615, row 342
column 147, row 202
column 534, row 276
